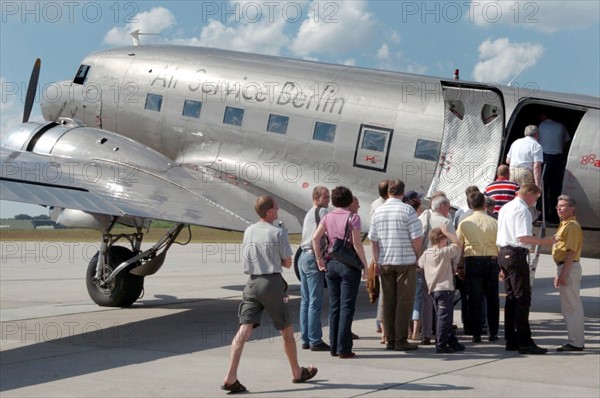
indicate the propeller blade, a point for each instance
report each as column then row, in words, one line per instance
column 31, row 89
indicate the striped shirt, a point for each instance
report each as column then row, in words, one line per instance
column 394, row 226
column 502, row 191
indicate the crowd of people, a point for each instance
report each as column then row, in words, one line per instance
column 422, row 257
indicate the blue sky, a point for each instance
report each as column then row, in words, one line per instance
column 554, row 43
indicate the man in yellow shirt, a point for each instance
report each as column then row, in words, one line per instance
column 478, row 233
column 566, row 252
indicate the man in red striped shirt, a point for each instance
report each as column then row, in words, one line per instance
column 502, row 190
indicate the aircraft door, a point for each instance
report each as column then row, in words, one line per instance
column 582, row 175
column 471, row 141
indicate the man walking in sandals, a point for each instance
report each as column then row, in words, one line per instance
column 265, row 251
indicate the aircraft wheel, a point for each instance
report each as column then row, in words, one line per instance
column 122, row 291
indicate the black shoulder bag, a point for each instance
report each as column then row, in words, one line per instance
column 343, row 251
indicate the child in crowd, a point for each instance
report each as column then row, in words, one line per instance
column 439, row 273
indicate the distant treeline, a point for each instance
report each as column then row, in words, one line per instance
column 28, row 217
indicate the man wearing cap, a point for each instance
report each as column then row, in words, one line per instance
column 525, row 158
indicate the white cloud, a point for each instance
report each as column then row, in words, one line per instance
column 542, row 15
column 11, row 108
column 261, row 37
column 501, row 59
column 383, row 54
column 155, row 21
column 346, row 26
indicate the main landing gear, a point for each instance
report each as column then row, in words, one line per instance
column 115, row 275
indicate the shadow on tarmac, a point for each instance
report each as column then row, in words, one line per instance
column 94, row 342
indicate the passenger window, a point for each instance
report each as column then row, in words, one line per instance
column 277, row 124
column 81, row 75
column 324, row 132
column 192, row 108
column 153, row 102
column 233, row 116
column 428, row 150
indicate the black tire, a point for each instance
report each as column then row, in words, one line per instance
column 124, row 290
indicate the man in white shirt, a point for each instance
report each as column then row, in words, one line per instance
column 553, row 137
column 515, row 235
column 525, row 158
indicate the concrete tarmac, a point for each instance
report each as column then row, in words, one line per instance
column 174, row 341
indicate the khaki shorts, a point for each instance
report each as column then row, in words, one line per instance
column 265, row 292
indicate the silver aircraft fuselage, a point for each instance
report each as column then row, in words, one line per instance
column 286, row 126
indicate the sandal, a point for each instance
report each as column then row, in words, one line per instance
column 307, row 374
column 234, row 388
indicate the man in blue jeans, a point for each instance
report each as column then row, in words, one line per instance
column 311, row 279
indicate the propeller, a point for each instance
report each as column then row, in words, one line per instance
column 31, row 89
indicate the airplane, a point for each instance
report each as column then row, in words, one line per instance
column 191, row 135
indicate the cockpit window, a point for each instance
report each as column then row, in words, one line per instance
column 81, row 74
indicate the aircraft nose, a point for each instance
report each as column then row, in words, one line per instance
column 56, row 99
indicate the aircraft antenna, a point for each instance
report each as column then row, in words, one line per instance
column 519, row 72
column 135, row 35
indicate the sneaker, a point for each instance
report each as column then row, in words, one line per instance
column 476, row 339
column 445, row 349
column 322, row 346
column 355, row 336
column 569, row 347
column 426, row 341
column 493, row 338
column 532, row 350
column 305, row 346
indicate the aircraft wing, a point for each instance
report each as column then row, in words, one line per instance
column 201, row 197
column 118, row 189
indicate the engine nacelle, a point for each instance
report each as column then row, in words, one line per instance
column 79, row 146
column 70, row 138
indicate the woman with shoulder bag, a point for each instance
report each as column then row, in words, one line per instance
column 343, row 281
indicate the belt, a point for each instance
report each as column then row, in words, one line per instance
column 396, row 265
column 308, row 250
column 559, row 263
column 482, row 257
column 516, row 248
